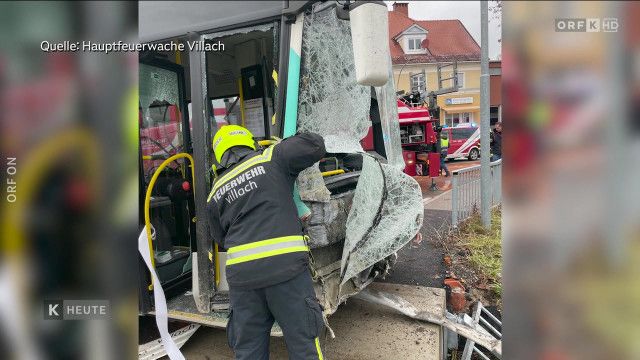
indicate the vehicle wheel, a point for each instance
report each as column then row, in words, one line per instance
column 474, row 154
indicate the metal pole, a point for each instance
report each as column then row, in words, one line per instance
column 455, row 195
column 485, row 171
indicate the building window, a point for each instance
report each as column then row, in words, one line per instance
column 460, row 76
column 414, row 44
column 455, row 119
column 494, row 114
column 462, row 133
column 418, row 82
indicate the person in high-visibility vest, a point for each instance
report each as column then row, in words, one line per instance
column 444, row 149
column 254, row 217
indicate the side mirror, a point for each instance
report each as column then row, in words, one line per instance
column 370, row 38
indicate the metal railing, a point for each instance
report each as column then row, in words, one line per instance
column 485, row 320
column 466, row 192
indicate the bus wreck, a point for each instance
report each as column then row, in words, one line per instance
column 285, row 67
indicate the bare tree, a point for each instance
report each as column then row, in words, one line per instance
column 495, row 13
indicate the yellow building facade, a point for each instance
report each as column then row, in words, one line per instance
column 456, row 108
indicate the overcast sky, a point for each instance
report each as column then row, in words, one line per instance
column 466, row 11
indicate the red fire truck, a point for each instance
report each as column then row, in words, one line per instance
column 418, row 139
column 418, row 128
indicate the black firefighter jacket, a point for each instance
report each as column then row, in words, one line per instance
column 253, row 216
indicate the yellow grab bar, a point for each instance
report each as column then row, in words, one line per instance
column 267, row 142
column 147, row 198
column 332, row 172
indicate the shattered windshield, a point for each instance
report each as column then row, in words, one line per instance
column 331, row 103
column 385, row 210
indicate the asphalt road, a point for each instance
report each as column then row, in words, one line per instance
column 422, row 264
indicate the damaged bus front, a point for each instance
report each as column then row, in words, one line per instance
column 301, row 66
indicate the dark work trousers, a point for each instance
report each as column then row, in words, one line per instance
column 443, row 164
column 293, row 304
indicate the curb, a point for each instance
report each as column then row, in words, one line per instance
column 428, row 201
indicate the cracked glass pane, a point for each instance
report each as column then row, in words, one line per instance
column 387, row 212
column 246, row 30
column 311, row 185
column 387, row 103
column 160, row 128
column 367, row 203
column 158, row 90
column 331, row 103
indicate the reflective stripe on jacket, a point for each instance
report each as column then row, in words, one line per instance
column 265, row 248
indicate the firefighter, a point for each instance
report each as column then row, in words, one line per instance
column 254, row 217
column 443, row 141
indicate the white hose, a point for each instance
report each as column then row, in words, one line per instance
column 160, row 301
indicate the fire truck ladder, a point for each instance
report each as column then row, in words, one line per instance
column 432, row 95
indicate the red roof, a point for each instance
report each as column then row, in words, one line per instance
column 447, row 40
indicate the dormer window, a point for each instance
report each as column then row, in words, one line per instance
column 410, row 40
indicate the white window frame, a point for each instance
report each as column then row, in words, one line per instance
column 413, row 40
column 423, row 86
column 461, row 84
column 448, row 118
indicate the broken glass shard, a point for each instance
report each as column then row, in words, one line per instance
column 386, row 214
column 311, row 185
column 331, row 103
column 388, row 105
column 367, row 203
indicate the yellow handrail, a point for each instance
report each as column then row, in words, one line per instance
column 147, row 198
column 267, row 142
column 332, row 172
